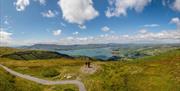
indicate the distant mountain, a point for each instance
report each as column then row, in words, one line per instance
column 21, row 54
column 54, row 47
column 118, row 51
column 69, row 47
column 34, row 55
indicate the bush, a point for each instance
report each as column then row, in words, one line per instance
column 50, row 73
column 68, row 89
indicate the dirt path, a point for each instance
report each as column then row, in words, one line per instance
column 89, row 70
column 45, row 82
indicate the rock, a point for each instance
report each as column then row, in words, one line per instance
column 69, row 76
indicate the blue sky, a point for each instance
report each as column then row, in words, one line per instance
column 25, row 22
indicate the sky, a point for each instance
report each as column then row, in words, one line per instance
column 66, row 22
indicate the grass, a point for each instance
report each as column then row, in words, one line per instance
column 153, row 73
column 8, row 50
column 157, row 73
column 37, row 67
column 34, row 55
column 12, row 83
column 50, row 72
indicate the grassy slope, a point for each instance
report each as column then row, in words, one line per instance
column 12, row 83
column 31, row 54
column 8, row 50
column 157, row 73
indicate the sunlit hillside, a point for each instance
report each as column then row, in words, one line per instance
column 152, row 73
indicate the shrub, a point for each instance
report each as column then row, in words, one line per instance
column 68, row 89
column 50, row 73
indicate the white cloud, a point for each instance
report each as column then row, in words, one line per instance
column 176, row 21
column 143, row 36
column 42, row 2
column 120, row 7
column 105, row 29
column 77, row 11
column 164, row 2
column 57, row 32
column 171, row 36
column 76, row 40
column 143, row 31
column 70, row 38
column 176, row 5
column 49, row 14
column 112, row 32
column 63, row 24
column 151, row 25
column 6, row 22
column 76, row 33
column 5, row 37
column 32, row 42
column 82, row 26
column 21, row 4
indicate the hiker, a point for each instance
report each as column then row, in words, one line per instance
column 88, row 64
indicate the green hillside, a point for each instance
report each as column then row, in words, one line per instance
column 12, row 83
column 152, row 73
column 8, row 50
column 18, row 54
column 157, row 73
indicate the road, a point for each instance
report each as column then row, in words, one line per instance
column 45, row 82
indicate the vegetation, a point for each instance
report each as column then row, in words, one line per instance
column 50, row 72
column 12, row 83
column 34, row 54
column 157, row 73
column 8, row 50
column 151, row 73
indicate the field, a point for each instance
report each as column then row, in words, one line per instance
column 12, row 83
column 151, row 73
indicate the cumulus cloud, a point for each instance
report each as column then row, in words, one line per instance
column 151, row 25
column 171, row 36
column 166, row 2
column 176, row 5
column 105, row 29
column 82, row 26
column 76, row 33
column 76, row 40
column 120, row 7
column 176, row 21
column 21, row 4
column 63, row 24
column 77, row 11
column 143, row 31
column 142, row 36
column 49, row 14
column 42, row 2
column 57, row 32
column 159, row 36
column 6, row 20
column 5, row 37
column 168, row 36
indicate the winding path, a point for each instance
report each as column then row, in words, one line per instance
column 45, row 82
